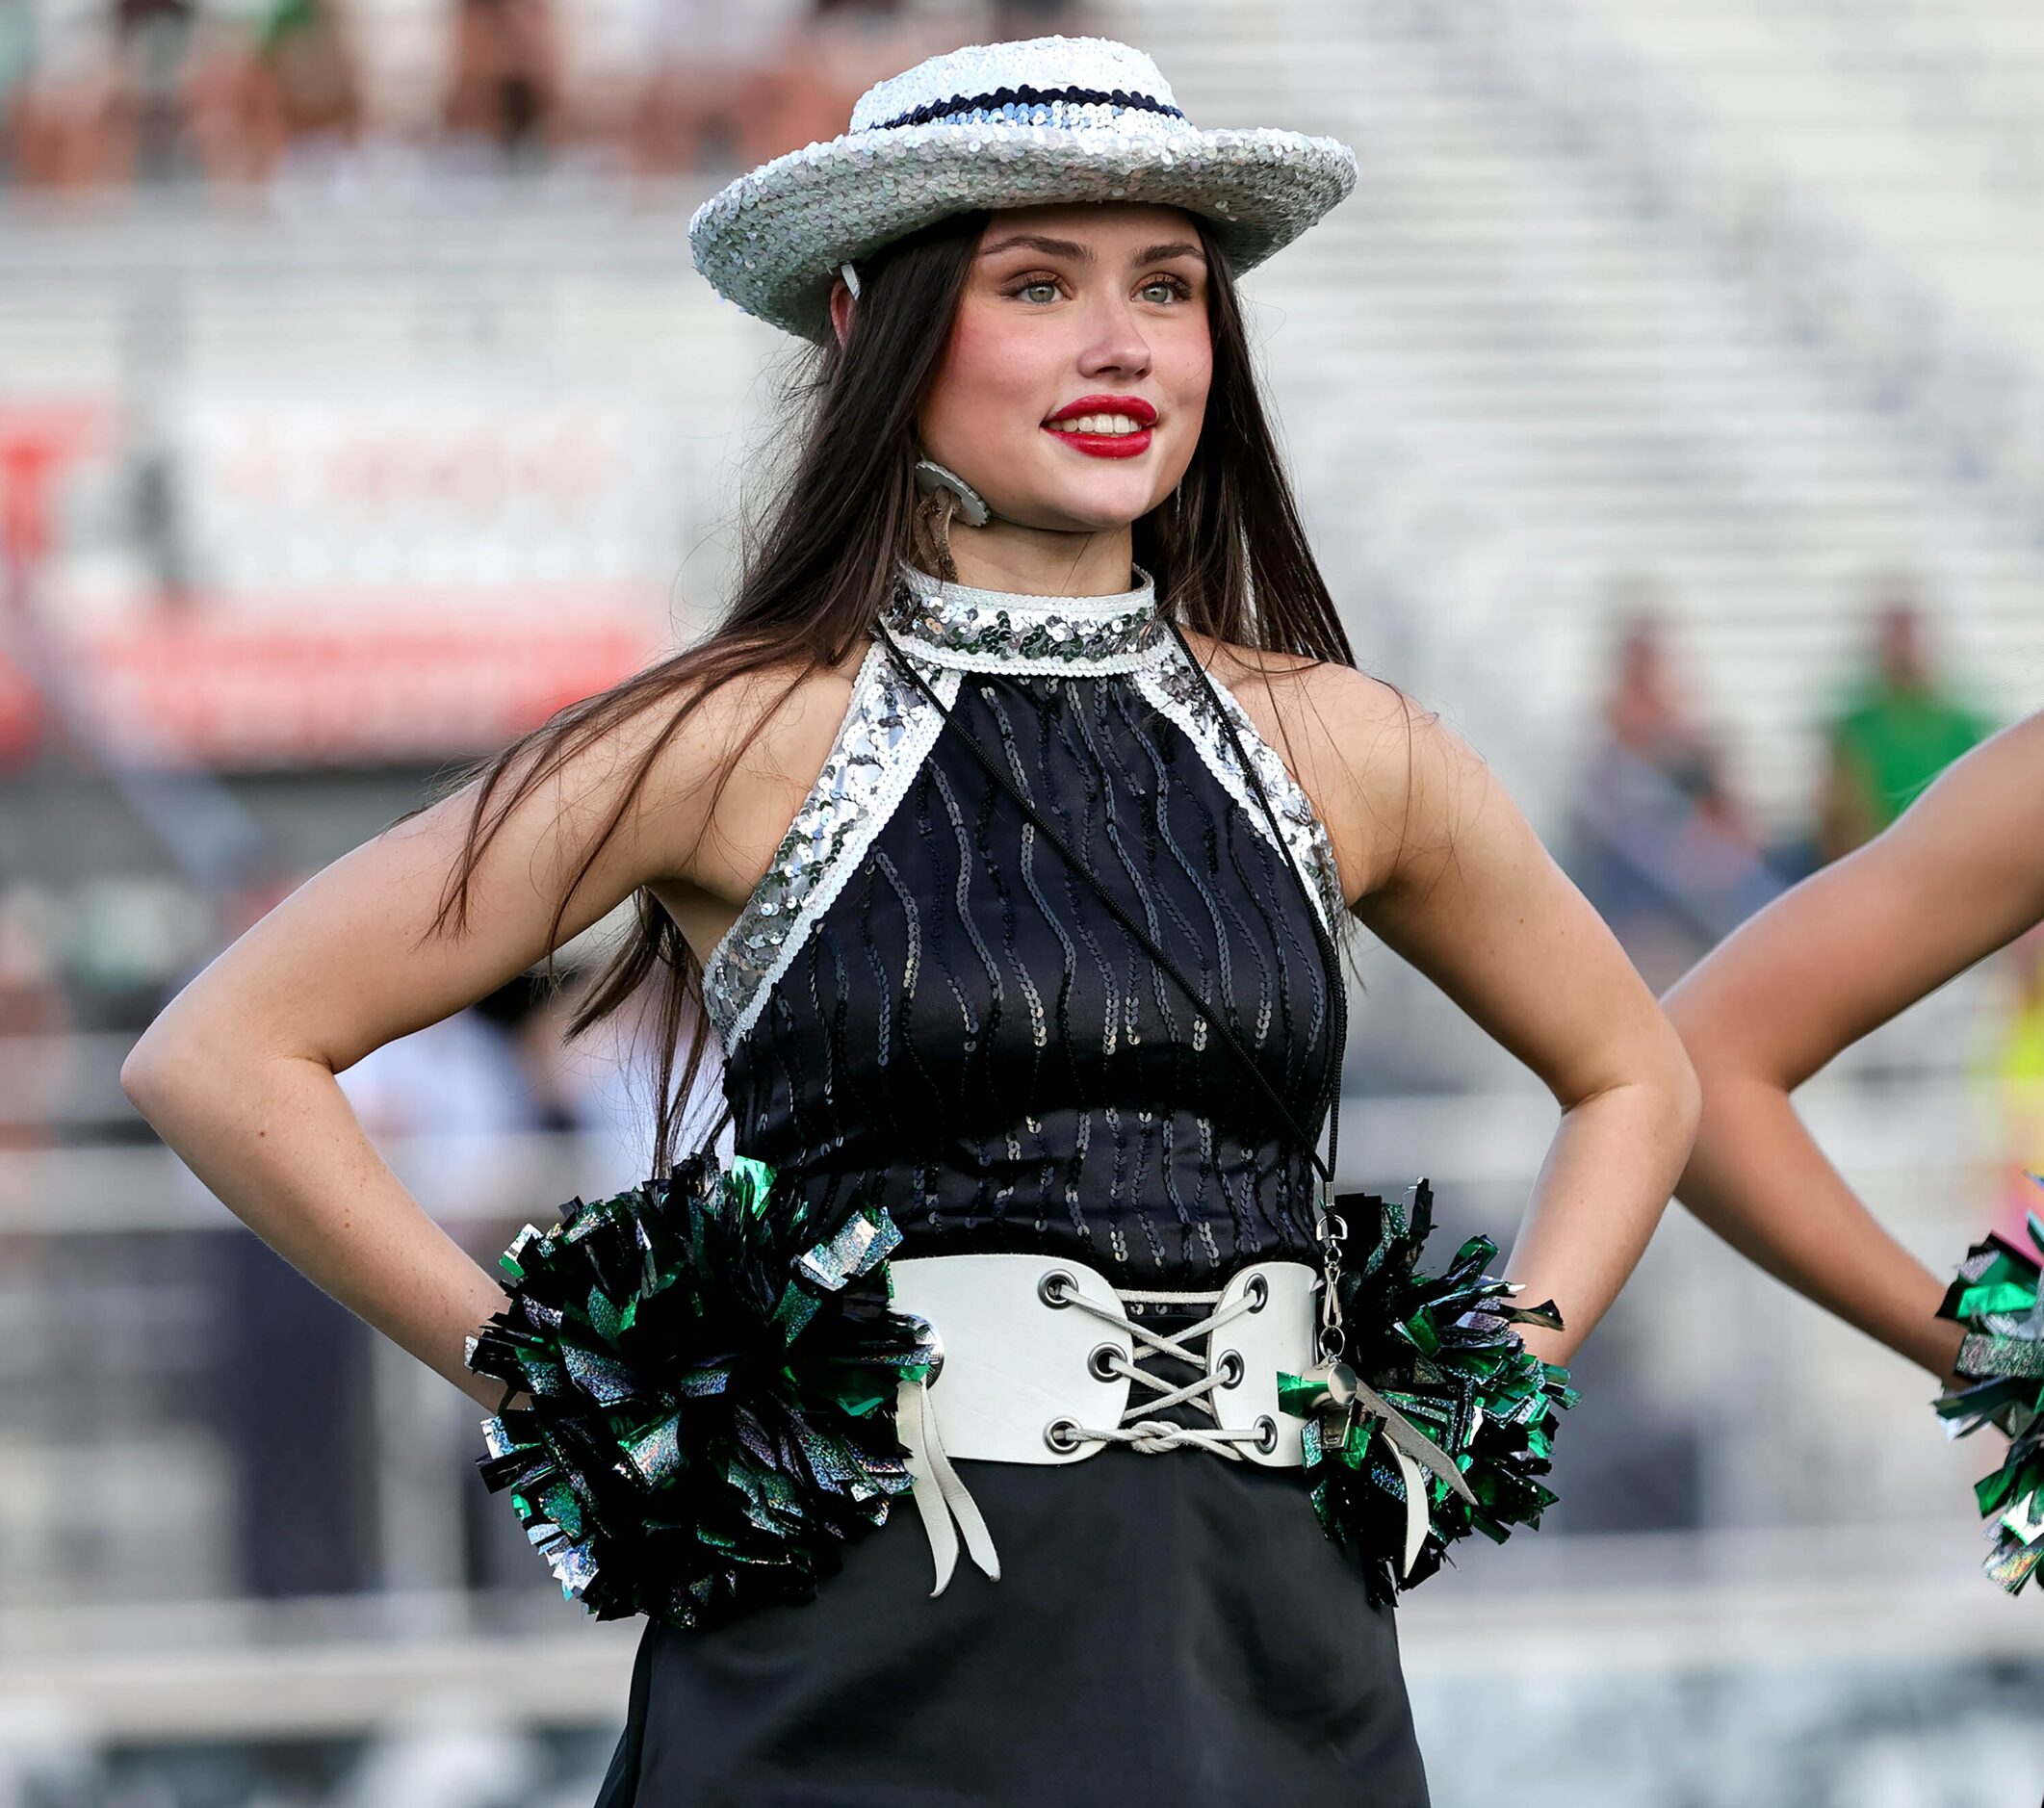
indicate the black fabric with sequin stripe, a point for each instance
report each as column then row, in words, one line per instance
column 965, row 1036
column 1028, row 97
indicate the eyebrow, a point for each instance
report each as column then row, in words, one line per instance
column 1082, row 254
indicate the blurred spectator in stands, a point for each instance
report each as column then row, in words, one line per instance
column 598, row 1086
column 724, row 78
column 504, row 85
column 17, row 66
column 155, row 38
column 732, row 85
column 1036, row 18
column 225, row 117
column 1900, row 727
column 854, row 44
column 305, row 95
column 455, row 1095
column 41, row 1067
column 105, row 102
column 72, row 124
column 1663, row 850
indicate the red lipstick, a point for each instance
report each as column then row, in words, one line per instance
column 1106, row 444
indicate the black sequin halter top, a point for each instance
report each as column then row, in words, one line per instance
column 922, row 1003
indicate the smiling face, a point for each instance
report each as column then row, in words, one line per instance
column 1074, row 380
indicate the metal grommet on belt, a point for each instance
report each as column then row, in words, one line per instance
column 1026, row 1384
column 1049, row 1290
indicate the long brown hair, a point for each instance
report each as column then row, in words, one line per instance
column 1227, row 551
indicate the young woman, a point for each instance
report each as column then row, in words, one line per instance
column 1958, row 876
column 1032, row 720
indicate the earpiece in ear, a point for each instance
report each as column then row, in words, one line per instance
column 851, row 277
column 931, row 477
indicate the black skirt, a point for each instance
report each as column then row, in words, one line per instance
column 1169, row 1629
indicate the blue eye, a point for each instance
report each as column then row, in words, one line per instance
column 1029, row 288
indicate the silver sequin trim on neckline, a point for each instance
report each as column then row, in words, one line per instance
column 1174, row 688
column 880, row 746
column 1008, row 631
column 888, row 732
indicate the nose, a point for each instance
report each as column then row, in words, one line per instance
column 1116, row 345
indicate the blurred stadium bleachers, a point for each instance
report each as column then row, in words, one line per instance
column 362, row 463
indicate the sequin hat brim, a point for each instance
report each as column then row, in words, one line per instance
column 772, row 241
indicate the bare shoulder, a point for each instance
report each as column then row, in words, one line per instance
column 1382, row 771
column 778, row 715
column 667, row 750
column 725, row 784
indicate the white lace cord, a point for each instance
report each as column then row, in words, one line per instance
column 1412, row 1451
column 1419, row 1517
column 939, row 1494
column 1153, row 1435
column 1411, row 1448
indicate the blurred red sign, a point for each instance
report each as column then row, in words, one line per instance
column 220, row 692
column 336, row 577
column 37, row 439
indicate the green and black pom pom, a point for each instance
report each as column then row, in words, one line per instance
column 1996, row 1297
column 712, row 1390
column 1443, row 1351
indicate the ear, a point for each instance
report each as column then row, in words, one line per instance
column 841, row 310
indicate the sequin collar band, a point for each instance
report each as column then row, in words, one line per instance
column 1010, row 630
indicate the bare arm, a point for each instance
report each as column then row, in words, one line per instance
column 1463, row 890
column 1960, row 874
column 238, row 1073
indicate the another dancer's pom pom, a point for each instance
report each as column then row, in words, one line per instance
column 2000, row 1363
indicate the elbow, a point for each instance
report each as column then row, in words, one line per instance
column 191, row 1066
column 1685, row 1089
column 147, row 1071
column 1728, row 1068
column 1661, row 1080
column 1680, row 1085
column 162, row 1066
column 1711, row 1039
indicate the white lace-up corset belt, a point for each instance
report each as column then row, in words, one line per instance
column 1040, row 1358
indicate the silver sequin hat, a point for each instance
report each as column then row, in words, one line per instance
column 1035, row 121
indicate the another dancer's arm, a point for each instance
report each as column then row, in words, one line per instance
column 1960, row 874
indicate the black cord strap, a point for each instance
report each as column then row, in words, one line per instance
column 1143, row 936
column 1330, row 955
